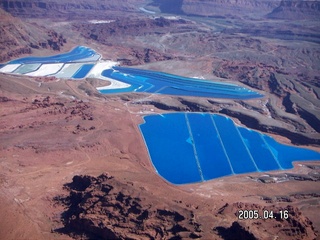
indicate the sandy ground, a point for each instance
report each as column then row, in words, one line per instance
column 44, row 143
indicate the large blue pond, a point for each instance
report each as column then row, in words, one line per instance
column 79, row 53
column 163, row 83
column 193, row 147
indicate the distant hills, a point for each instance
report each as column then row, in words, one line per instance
column 297, row 10
column 68, row 9
column 280, row 9
column 239, row 8
column 217, row 7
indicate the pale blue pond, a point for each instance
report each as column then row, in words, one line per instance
column 26, row 68
column 193, row 147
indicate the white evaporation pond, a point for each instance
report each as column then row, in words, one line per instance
column 68, row 70
column 9, row 68
column 46, row 69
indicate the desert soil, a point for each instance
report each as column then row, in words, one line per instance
column 53, row 130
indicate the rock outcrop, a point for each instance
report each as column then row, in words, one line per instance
column 105, row 208
column 291, row 226
column 216, row 8
column 69, row 9
column 296, row 9
column 128, row 28
column 18, row 38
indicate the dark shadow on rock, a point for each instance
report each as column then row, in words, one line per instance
column 236, row 231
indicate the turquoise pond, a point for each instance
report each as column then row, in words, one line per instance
column 164, row 83
column 195, row 147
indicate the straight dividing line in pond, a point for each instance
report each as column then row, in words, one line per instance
column 145, row 98
column 52, row 74
column 224, row 150
column 89, row 72
column 152, row 86
column 12, row 70
column 17, row 69
column 36, row 69
column 78, row 70
column 194, row 148
column 248, row 151
column 270, row 151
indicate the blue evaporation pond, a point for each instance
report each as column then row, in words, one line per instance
column 75, row 55
column 163, row 83
column 83, row 71
column 194, row 147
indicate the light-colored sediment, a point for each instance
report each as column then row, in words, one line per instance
column 100, row 21
column 46, row 69
column 68, row 70
column 98, row 69
column 9, row 68
column 146, row 11
column 62, row 70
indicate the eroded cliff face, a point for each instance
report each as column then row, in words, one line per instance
column 217, row 7
column 123, row 33
column 17, row 37
column 104, row 207
column 296, row 10
column 241, row 8
column 229, row 7
column 67, row 9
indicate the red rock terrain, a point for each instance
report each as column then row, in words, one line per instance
column 18, row 38
column 243, row 8
column 208, row 8
column 254, row 55
column 70, row 9
column 58, row 138
column 296, row 10
column 64, row 133
column 216, row 8
column 106, row 208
